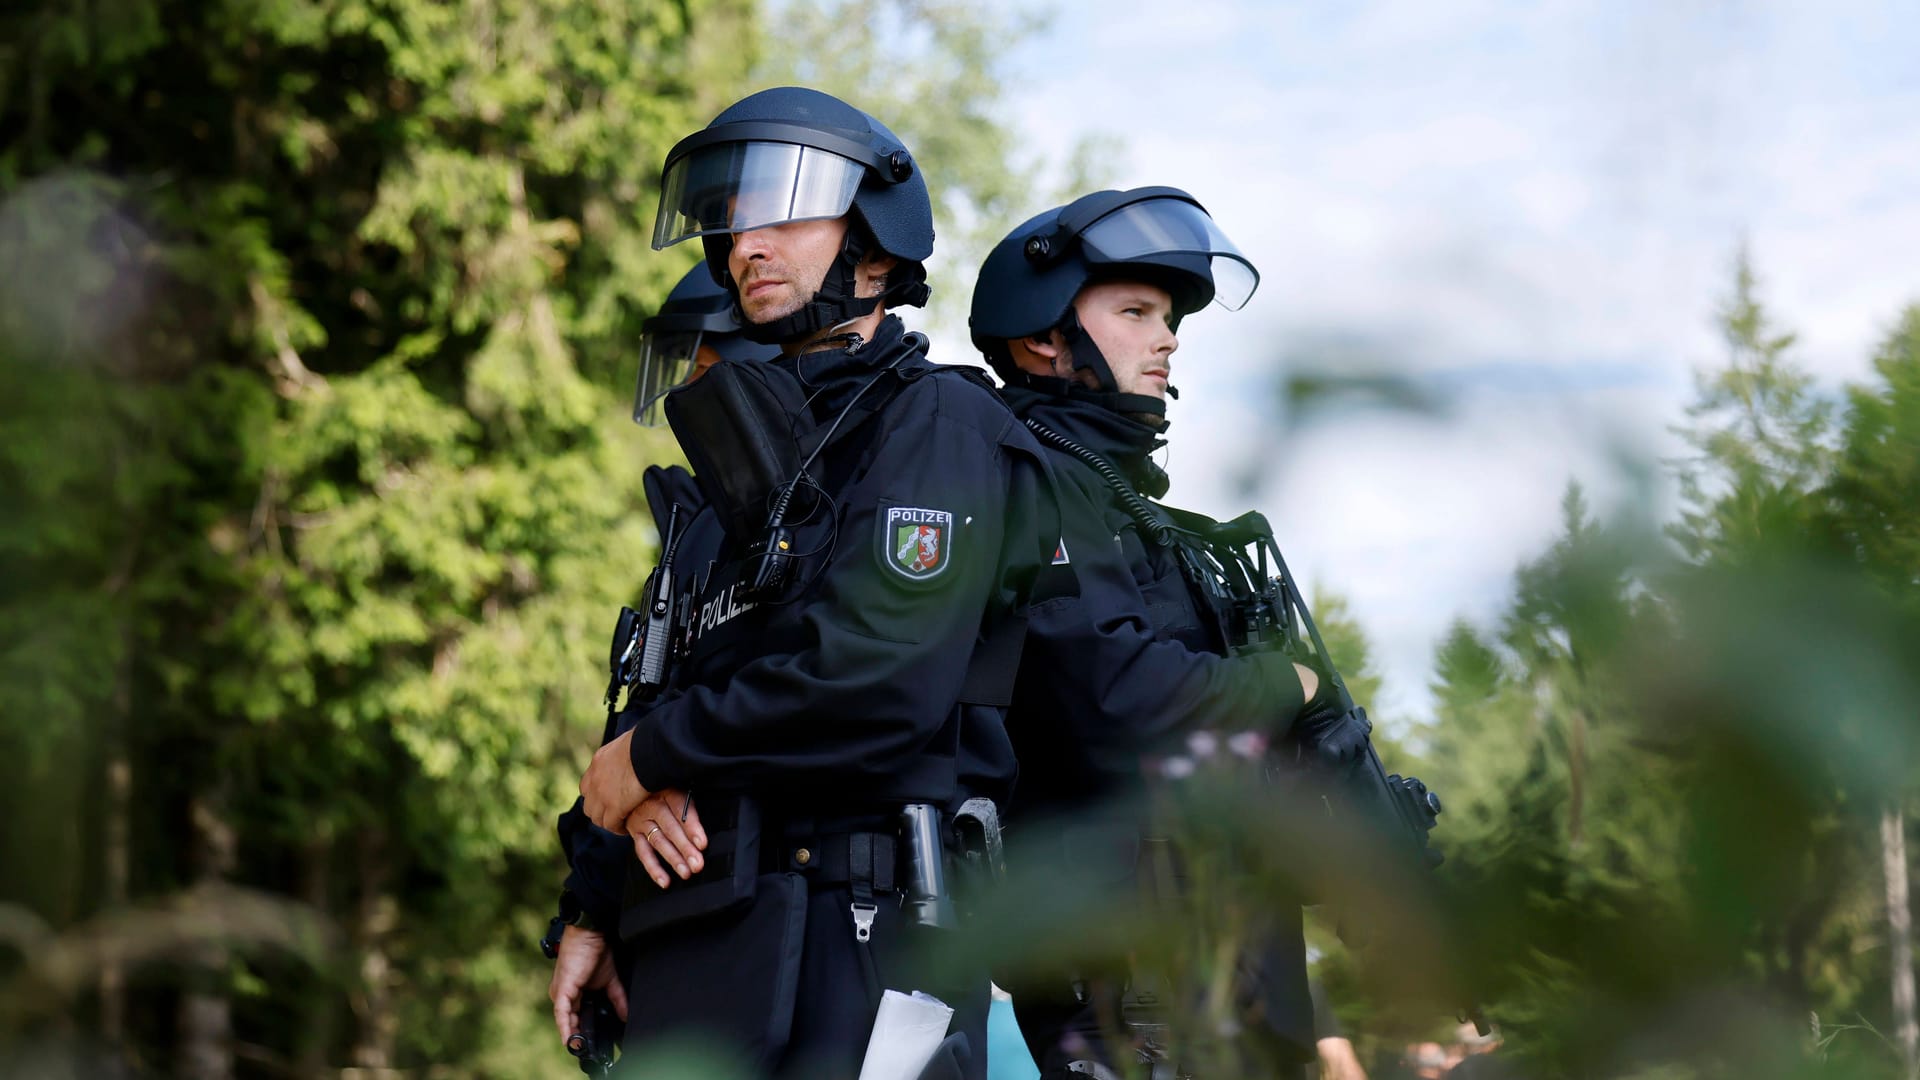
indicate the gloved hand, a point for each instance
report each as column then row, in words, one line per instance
column 1334, row 736
column 1336, row 739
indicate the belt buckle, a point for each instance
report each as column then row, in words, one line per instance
column 863, row 920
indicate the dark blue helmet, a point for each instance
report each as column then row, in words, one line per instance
column 698, row 314
column 794, row 154
column 1160, row 235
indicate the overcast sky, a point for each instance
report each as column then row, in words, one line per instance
column 1531, row 206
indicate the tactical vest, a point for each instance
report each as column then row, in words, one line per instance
column 1218, row 562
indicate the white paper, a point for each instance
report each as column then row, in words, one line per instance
column 906, row 1032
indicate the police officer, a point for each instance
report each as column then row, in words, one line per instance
column 1077, row 311
column 694, row 329
column 870, row 522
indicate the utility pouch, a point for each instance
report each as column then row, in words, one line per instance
column 741, row 425
column 977, row 855
column 726, row 881
column 728, row 979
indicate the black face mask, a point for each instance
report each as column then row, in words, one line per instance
column 741, row 425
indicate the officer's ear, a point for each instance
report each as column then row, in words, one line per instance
column 1053, row 350
column 872, row 273
column 1048, row 346
column 1039, row 354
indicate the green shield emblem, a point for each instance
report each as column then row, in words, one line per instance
column 916, row 543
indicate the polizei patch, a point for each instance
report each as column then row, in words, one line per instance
column 916, row 544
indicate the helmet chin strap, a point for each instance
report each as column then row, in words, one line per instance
column 1087, row 356
column 1086, row 352
column 833, row 305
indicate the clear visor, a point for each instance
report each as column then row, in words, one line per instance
column 1174, row 226
column 733, row 187
column 668, row 361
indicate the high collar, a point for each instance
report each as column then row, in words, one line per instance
column 832, row 376
column 1127, row 443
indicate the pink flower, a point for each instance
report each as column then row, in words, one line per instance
column 1251, row 745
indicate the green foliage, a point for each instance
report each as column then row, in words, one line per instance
column 315, row 321
column 1663, row 778
column 1347, row 645
column 1760, row 436
column 313, row 404
column 314, row 401
column 1878, row 473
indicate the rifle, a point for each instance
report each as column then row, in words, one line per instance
column 1270, row 612
column 1401, row 808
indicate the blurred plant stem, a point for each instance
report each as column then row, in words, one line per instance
column 59, row 965
column 116, row 842
column 206, row 1014
column 1893, row 845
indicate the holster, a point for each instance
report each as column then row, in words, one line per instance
column 976, row 855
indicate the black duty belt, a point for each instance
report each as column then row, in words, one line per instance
column 834, row 858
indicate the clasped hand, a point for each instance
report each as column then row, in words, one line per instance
column 664, row 826
column 666, row 831
column 609, row 791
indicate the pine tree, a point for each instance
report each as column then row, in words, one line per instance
column 1873, row 503
column 1761, row 436
column 333, row 571
column 1673, row 776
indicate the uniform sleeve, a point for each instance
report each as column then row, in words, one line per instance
column 889, row 630
column 596, row 865
column 597, row 859
column 1142, row 694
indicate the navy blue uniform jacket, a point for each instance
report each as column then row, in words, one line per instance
column 847, row 697
column 1127, row 668
column 1130, row 665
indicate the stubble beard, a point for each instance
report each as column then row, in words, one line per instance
column 1138, row 383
